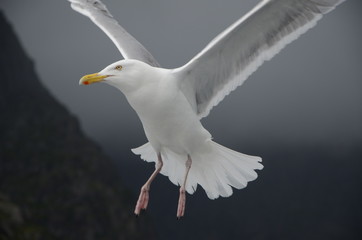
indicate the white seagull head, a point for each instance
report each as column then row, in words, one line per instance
column 126, row 75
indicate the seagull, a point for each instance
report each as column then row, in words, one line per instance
column 171, row 102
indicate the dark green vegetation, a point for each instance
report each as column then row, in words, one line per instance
column 55, row 183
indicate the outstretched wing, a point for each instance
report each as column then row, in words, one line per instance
column 129, row 47
column 229, row 59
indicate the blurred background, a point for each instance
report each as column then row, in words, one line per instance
column 66, row 171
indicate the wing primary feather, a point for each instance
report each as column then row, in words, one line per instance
column 129, row 47
column 230, row 58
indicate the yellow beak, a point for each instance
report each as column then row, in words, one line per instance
column 92, row 78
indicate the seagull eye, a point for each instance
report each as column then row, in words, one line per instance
column 119, row 67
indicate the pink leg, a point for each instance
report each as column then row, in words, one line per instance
column 142, row 202
column 182, row 197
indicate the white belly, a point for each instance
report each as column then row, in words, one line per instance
column 168, row 119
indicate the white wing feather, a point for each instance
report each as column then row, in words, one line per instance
column 229, row 59
column 129, row 47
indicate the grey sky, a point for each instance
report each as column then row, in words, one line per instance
column 310, row 92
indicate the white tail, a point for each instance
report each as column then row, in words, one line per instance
column 216, row 171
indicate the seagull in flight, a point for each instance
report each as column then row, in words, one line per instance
column 171, row 102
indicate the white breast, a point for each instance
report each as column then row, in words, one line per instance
column 167, row 117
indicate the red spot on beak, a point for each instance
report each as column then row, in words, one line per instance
column 85, row 82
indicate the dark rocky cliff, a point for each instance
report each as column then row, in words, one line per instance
column 55, row 183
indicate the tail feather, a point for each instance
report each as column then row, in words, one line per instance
column 216, row 171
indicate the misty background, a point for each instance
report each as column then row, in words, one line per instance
column 306, row 97
column 310, row 92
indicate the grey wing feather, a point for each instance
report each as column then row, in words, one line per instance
column 129, row 47
column 228, row 60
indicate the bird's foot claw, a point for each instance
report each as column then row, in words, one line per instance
column 181, row 204
column 142, row 202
